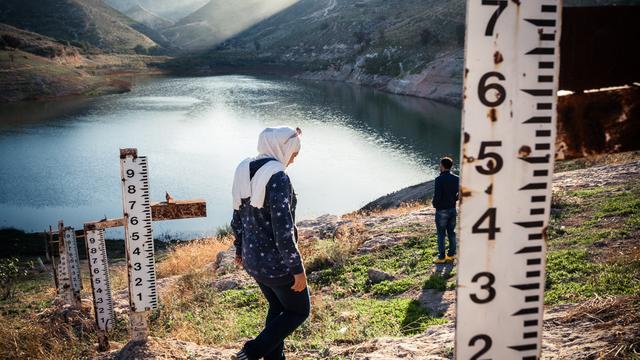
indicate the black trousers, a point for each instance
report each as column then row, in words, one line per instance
column 287, row 311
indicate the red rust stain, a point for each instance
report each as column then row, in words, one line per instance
column 489, row 190
column 497, row 58
column 524, row 151
column 465, row 192
column 517, row 2
column 493, row 115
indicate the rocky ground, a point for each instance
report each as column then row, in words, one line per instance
column 602, row 327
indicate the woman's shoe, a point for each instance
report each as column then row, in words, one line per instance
column 240, row 355
column 440, row 261
column 450, row 258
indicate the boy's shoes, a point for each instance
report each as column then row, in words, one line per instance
column 240, row 356
column 450, row 258
column 440, row 261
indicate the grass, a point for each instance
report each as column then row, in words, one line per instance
column 587, row 162
column 191, row 256
column 587, row 228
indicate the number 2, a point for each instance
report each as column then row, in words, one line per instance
column 487, row 345
column 502, row 4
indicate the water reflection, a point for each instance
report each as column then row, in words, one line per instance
column 59, row 159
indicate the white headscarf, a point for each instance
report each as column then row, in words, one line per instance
column 278, row 143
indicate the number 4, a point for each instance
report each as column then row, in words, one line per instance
column 490, row 214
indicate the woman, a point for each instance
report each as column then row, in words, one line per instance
column 265, row 239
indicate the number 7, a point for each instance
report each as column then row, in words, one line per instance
column 502, row 4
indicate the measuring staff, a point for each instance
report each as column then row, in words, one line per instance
column 509, row 117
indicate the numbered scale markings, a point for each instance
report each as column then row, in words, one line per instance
column 139, row 240
column 509, row 116
column 73, row 261
column 99, row 270
column 64, row 279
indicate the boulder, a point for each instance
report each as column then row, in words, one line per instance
column 378, row 276
column 225, row 261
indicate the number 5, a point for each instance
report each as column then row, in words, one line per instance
column 495, row 160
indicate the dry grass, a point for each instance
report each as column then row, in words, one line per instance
column 620, row 316
column 191, row 256
column 47, row 335
column 400, row 210
column 322, row 253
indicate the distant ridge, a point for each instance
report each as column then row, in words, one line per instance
column 147, row 17
column 84, row 23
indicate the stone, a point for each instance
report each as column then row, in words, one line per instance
column 225, row 261
column 377, row 276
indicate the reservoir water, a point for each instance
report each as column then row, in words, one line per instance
column 59, row 159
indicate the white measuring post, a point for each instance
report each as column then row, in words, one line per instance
column 100, row 284
column 74, row 260
column 509, row 117
column 143, row 293
column 69, row 280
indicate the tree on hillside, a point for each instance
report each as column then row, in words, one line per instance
column 362, row 37
column 426, row 37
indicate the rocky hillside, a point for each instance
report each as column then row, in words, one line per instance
column 34, row 67
column 409, row 47
column 169, row 9
column 88, row 24
column 220, row 20
column 148, row 18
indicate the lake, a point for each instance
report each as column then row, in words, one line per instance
column 60, row 159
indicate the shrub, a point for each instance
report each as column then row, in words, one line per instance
column 10, row 272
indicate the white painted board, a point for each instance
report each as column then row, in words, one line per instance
column 143, row 294
column 100, row 284
column 509, row 117
column 73, row 259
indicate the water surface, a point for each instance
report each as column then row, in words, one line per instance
column 60, row 159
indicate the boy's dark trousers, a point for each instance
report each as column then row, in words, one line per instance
column 287, row 310
column 446, row 225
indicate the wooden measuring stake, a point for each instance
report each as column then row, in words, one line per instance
column 69, row 282
column 100, row 284
column 181, row 209
column 509, row 124
column 139, row 249
column 74, row 260
column 137, row 217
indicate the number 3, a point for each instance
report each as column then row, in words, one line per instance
column 491, row 279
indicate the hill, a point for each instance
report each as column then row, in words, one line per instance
column 34, row 66
column 88, row 24
column 148, row 18
column 219, row 20
column 169, row 9
column 409, row 47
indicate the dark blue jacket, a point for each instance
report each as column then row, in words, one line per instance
column 266, row 238
column 446, row 188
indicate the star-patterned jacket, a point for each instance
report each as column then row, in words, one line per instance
column 266, row 238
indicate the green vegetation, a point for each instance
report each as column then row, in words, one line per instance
column 590, row 249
